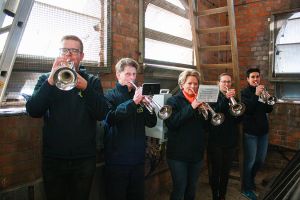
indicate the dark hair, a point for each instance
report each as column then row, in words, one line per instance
column 75, row 38
column 126, row 62
column 251, row 70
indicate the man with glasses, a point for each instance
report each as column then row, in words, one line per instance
column 69, row 145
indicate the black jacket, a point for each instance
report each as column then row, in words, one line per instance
column 69, row 117
column 226, row 134
column 185, row 131
column 255, row 121
column 125, row 139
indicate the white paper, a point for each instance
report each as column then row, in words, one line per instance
column 208, row 93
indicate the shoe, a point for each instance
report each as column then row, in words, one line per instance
column 249, row 195
column 256, row 193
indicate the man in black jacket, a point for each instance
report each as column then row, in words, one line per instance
column 69, row 145
column 255, row 128
column 125, row 139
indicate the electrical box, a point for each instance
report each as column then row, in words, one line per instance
column 159, row 131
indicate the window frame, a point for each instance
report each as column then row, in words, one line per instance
column 143, row 4
column 90, row 66
column 273, row 77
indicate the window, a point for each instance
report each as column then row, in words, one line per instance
column 287, row 46
column 48, row 22
column 168, row 37
column 284, row 55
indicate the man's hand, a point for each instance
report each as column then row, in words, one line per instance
column 81, row 83
column 138, row 97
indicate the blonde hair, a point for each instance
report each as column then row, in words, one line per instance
column 183, row 76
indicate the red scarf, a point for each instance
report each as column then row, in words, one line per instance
column 188, row 97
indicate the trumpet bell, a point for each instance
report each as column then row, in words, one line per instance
column 165, row 112
column 237, row 109
column 271, row 100
column 217, row 119
column 65, row 78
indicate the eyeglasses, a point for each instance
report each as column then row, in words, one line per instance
column 225, row 81
column 65, row 51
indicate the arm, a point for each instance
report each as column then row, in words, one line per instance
column 118, row 112
column 250, row 101
column 222, row 105
column 40, row 101
column 150, row 119
column 94, row 98
column 179, row 114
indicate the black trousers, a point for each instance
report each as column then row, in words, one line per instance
column 125, row 182
column 68, row 179
column 219, row 162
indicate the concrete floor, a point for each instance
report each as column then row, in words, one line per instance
column 233, row 190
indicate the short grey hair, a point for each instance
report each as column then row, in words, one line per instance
column 183, row 76
column 121, row 64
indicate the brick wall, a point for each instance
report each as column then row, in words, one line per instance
column 20, row 150
column 125, row 36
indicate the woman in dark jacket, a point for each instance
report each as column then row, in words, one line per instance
column 222, row 140
column 185, row 145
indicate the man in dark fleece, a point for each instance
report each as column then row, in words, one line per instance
column 255, row 129
column 125, row 139
column 69, row 144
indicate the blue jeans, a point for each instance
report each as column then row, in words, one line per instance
column 255, row 151
column 68, row 179
column 185, row 176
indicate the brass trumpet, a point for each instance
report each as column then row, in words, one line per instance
column 164, row 112
column 236, row 109
column 266, row 97
column 65, row 77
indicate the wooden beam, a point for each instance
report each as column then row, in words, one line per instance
column 213, row 30
column 164, row 37
column 219, row 65
column 212, row 11
column 170, row 7
column 215, row 48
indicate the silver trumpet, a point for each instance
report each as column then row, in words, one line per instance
column 203, row 111
column 65, row 77
column 216, row 118
column 236, row 109
column 205, row 108
column 266, row 97
column 164, row 112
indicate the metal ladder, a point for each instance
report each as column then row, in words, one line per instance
column 20, row 11
column 195, row 18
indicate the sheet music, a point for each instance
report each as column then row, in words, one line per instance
column 208, row 93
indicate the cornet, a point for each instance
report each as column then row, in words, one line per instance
column 65, row 77
column 164, row 112
column 205, row 108
column 236, row 109
column 266, row 97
